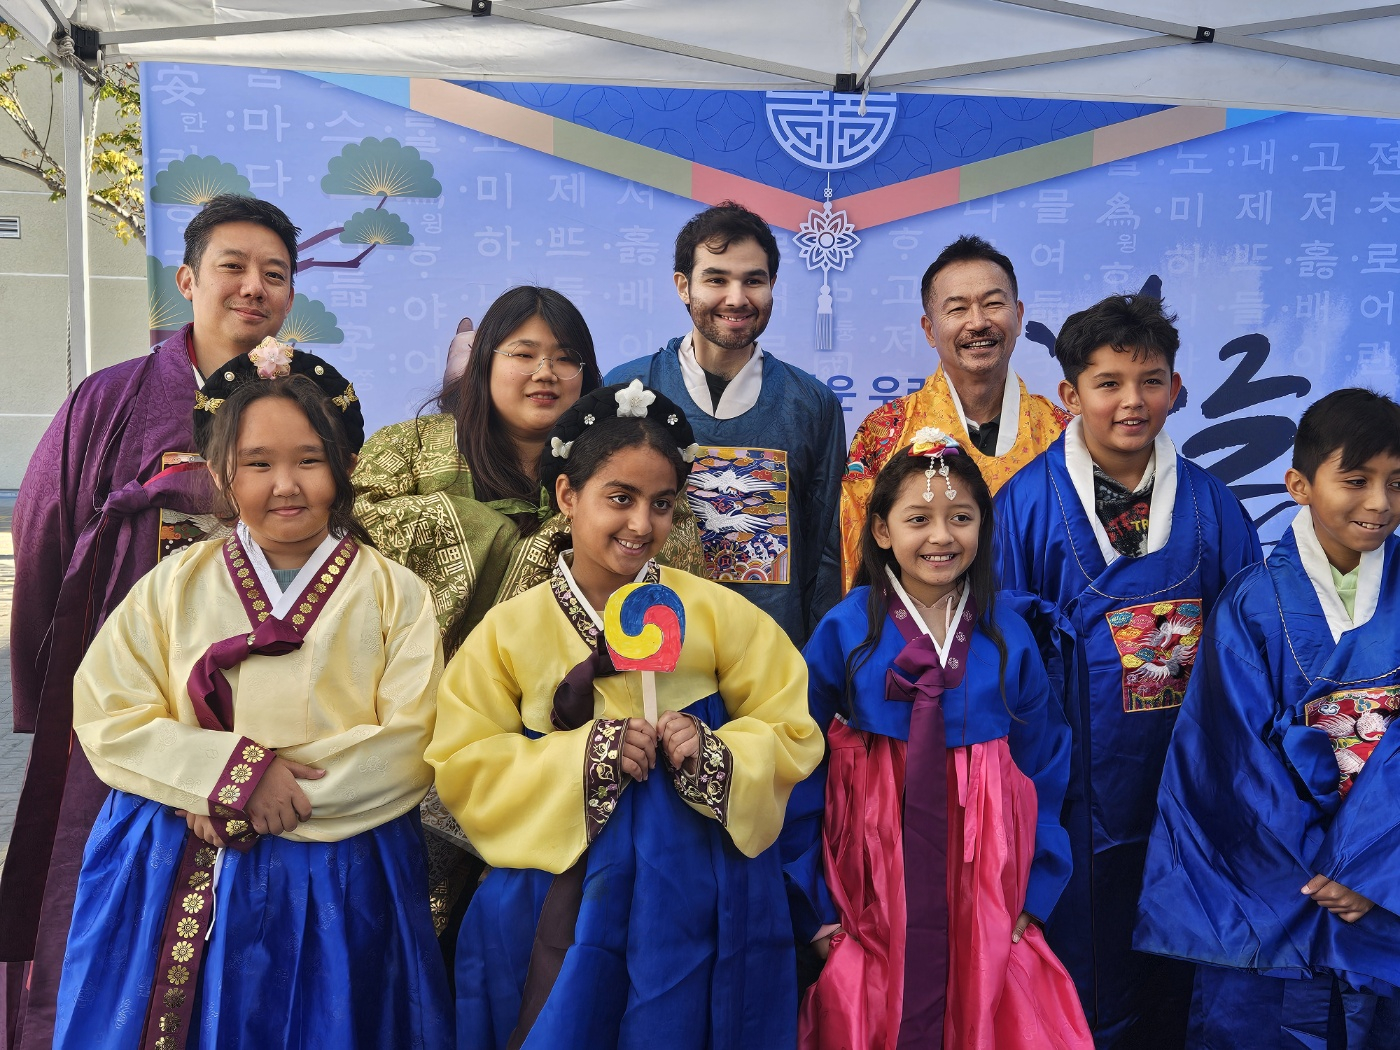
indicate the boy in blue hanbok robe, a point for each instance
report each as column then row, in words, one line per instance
column 1131, row 544
column 1276, row 850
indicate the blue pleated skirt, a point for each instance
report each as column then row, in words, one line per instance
column 681, row 941
column 314, row 945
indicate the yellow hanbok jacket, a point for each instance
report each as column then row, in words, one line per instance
column 358, row 699
column 531, row 796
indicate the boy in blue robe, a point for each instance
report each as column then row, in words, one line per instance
column 1275, row 854
column 1131, row 544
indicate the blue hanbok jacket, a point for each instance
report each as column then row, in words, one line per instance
column 1135, row 624
column 1251, row 806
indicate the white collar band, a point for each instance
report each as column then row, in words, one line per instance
column 1163, row 463
column 739, row 396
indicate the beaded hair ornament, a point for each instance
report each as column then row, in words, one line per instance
column 272, row 359
column 932, row 444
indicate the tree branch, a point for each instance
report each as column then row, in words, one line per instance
column 348, row 264
column 137, row 222
column 32, row 169
column 323, row 235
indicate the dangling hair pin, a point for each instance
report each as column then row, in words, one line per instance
column 932, row 444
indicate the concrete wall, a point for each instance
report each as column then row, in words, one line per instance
column 34, row 304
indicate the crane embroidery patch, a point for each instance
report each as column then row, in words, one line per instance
column 1157, row 644
column 1354, row 721
column 740, row 500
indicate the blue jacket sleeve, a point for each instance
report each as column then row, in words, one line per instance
column 1013, row 559
column 825, row 526
column 1235, row 820
column 800, row 844
column 1040, row 746
column 1362, row 847
column 1239, row 539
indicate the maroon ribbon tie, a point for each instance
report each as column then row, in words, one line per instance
column 919, row 677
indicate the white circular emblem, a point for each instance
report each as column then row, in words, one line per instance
column 827, row 131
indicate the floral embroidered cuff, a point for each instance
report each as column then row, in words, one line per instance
column 234, row 788
column 602, row 773
column 704, row 779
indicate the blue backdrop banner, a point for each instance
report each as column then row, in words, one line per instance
column 1275, row 238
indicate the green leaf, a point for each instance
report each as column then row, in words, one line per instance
column 166, row 307
column 380, row 168
column 376, row 226
column 197, row 180
column 310, row 322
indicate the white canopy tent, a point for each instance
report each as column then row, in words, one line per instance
column 1327, row 56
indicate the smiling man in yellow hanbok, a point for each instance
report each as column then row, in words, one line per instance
column 972, row 317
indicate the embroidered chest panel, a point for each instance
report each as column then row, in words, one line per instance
column 740, row 499
column 877, row 438
column 178, row 529
column 1157, row 644
column 1354, row 721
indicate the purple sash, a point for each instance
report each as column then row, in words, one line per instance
column 921, row 681
column 190, row 911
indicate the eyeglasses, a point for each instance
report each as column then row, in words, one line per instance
column 565, row 367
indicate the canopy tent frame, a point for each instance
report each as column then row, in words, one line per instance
column 1274, row 55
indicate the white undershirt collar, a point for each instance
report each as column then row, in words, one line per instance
column 596, row 616
column 940, row 647
column 1009, row 422
column 1163, row 462
column 1319, row 570
column 739, row 396
column 282, row 601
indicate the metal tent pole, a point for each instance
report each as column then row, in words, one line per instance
column 75, row 207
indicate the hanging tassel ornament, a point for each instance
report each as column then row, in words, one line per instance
column 824, row 322
column 827, row 241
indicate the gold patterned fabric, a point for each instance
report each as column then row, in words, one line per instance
column 602, row 773
column 706, row 783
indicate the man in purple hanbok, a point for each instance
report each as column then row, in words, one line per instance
column 113, row 486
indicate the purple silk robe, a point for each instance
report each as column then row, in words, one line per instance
column 86, row 527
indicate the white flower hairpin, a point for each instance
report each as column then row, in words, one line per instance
column 634, row 399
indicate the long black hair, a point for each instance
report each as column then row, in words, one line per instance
column 221, row 446
column 874, row 559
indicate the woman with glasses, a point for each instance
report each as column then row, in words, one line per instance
column 456, row 497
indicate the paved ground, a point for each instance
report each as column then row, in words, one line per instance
column 14, row 748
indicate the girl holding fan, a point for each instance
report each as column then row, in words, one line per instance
column 635, row 894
